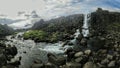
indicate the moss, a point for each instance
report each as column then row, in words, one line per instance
column 35, row 34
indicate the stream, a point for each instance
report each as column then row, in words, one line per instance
column 31, row 51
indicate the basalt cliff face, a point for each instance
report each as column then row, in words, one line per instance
column 104, row 22
column 106, row 25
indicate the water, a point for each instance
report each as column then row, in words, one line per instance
column 76, row 35
column 85, row 28
column 30, row 51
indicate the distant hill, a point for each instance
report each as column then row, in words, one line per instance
column 62, row 24
column 5, row 30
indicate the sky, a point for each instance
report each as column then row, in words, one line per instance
column 55, row 8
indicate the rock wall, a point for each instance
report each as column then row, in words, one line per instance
column 102, row 20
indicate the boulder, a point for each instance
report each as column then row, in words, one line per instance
column 57, row 60
column 83, row 42
column 78, row 59
column 3, row 59
column 90, row 65
column 104, row 61
column 96, row 43
column 37, row 66
column 112, row 64
column 72, row 65
column 87, row 52
column 79, row 54
column 49, row 65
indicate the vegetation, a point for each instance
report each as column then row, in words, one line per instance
column 36, row 35
column 41, row 36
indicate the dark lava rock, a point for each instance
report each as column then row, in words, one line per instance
column 3, row 59
column 96, row 43
column 83, row 42
column 11, row 50
column 59, row 60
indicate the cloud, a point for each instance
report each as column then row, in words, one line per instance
column 48, row 9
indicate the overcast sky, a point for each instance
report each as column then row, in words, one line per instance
column 54, row 8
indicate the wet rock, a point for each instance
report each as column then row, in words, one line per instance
column 79, row 54
column 72, row 65
column 9, row 66
column 15, row 63
column 83, row 41
column 78, row 59
column 65, row 43
column 105, row 61
column 49, row 65
column 110, row 57
column 79, row 38
column 11, row 50
column 111, row 64
column 100, row 65
column 37, row 61
column 96, row 43
column 90, row 65
column 87, row 52
column 37, row 66
column 102, row 51
column 3, row 59
column 56, row 60
column 68, row 50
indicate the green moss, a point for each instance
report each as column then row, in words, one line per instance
column 35, row 35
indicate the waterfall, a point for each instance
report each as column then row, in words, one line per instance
column 85, row 28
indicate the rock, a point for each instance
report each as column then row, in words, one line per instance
column 79, row 38
column 68, row 50
column 3, row 59
column 78, row 54
column 56, row 60
column 65, row 43
column 49, row 65
column 37, row 61
column 78, row 59
column 72, row 65
column 9, row 66
column 70, row 55
column 37, row 66
column 87, row 52
column 83, row 42
column 90, row 65
column 110, row 57
column 11, row 50
column 102, row 51
column 100, row 65
column 105, row 61
column 112, row 64
column 96, row 43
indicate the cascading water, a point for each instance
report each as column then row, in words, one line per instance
column 85, row 28
column 76, row 35
column 30, row 51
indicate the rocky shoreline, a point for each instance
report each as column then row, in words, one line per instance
column 7, row 52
